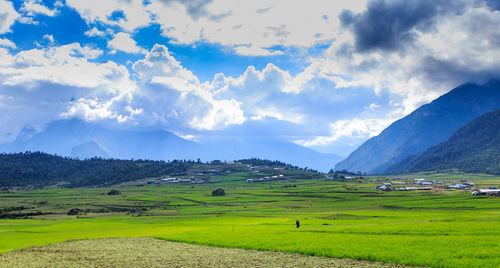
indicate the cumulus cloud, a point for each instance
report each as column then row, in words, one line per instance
column 116, row 108
column 95, row 32
column 124, row 42
column 256, row 51
column 67, row 65
column 174, row 94
column 281, row 23
column 278, row 24
column 264, row 96
column 49, row 38
column 34, row 7
column 8, row 16
column 134, row 14
column 352, row 128
column 223, row 113
column 41, row 85
column 4, row 42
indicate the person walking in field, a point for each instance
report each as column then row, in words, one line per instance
column 297, row 223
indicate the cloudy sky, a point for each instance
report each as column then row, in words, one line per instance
column 324, row 74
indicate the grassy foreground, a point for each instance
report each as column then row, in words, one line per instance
column 338, row 219
column 148, row 252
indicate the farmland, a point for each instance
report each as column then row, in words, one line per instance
column 340, row 219
column 149, row 252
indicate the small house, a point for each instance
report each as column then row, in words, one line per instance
column 219, row 192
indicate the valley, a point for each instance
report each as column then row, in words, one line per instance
column 338, row 218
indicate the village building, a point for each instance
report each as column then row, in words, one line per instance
column 219, row 192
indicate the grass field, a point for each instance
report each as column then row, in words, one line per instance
column 338, row 219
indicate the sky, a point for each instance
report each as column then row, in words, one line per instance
column 324, row 74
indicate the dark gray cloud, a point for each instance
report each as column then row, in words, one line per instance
column 439, row 70
column 390, row 24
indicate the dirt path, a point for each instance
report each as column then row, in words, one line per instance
column 149, row 252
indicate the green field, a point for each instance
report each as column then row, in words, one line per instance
column 350, row 220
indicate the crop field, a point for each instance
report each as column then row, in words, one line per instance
column 149, row 252
column 339, row 219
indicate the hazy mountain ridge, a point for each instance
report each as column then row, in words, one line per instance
column 69, row 137
column 473, row 148
column 425, row 127
column 80, row 139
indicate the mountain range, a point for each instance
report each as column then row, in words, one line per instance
column 472, row 148
column 427, row 126
column 80, row 139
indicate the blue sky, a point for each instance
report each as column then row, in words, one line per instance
column 323, row 74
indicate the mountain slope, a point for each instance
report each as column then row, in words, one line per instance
column 473, row 148
column 427, row 126
column 77, row 138
column 88, row 150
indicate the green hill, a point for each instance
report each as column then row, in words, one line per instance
column 473, row 148
column 37, row 169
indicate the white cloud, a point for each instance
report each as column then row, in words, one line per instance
column 373, row 107
column 166, row 94
column 275, row 24
column 118, row 108
column 160, row 63
column 233, row 24
column 67, row 65
column 49, row 38
column 255, row 51
column 124, row 42
column 260, row 93
column 95, row 32
column 5, row 58
column 39, row 86
column 223, row 113
column 171, row 93
column 33, row 7
column 4, row 42
column 352, row 128
column 8, row 16
column 274, row 112
column 28, row 20
column 101, row 10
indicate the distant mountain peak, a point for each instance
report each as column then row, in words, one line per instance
column 26, row 133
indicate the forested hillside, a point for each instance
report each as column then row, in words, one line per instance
column 40, row 169
column 473, row 148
